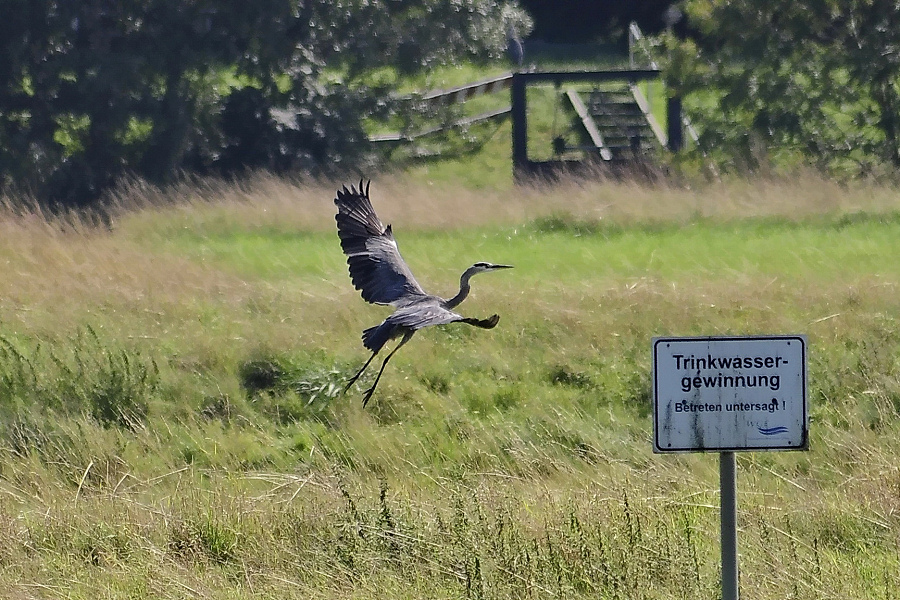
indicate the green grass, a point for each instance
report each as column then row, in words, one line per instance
column 584, row 251
column 173, row 424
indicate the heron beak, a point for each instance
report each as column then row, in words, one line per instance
column 501, row 266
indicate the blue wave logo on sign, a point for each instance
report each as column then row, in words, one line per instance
column 772, row 430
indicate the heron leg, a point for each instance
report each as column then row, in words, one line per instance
column 371, row 390
column 358, row 373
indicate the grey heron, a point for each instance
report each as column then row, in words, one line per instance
column 514, row 47
column 383, row 277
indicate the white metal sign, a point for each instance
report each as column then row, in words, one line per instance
column 723, row 394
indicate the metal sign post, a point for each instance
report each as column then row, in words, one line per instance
column 729, row 394
column 728, row 526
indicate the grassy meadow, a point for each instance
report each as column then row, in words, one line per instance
column 172, row 424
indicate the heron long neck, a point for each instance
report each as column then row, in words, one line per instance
column 463, row 290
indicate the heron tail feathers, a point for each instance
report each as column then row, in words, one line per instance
column 374, row 338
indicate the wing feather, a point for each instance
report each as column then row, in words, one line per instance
column 423, row 314
column 376, row 267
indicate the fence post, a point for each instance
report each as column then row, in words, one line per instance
column 519, row 125
column 674, row 127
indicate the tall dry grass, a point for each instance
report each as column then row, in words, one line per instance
column 266, row 201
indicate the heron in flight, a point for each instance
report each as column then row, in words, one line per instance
column 382, row 276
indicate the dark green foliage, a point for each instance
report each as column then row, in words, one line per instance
column 260, row 375
column 638, row 392
column 117, row 393
column 287, row 389
column 811, row 82
column 114, row 386
column 93, row 91
column 563, row 375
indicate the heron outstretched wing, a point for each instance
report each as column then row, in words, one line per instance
column 376, row 267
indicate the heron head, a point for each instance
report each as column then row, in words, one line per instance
column 483, row 267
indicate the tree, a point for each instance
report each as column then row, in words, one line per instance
column 812, row 80
column 97, row 89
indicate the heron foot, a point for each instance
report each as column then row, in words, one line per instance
column 351, row 381
column 368, row 395
column 488, row 323
column 358, row 373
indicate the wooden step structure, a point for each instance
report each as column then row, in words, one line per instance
column 619, row 128
column 618, row 123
